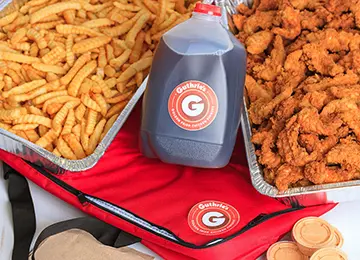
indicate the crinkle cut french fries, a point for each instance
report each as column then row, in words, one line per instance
column 68, row 68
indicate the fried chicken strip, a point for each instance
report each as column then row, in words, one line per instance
column 289, row 148
column 320, row 173
column 272, row 66
column 255, row 91
column 290, row 21
column 259, row 20
column 266, row 156
column 286, row 175
column 259, row 42
column 350, row 78
column 318, row 59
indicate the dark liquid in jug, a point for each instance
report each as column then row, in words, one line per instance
column 191, row 108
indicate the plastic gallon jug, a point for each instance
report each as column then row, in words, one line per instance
column 191, row 107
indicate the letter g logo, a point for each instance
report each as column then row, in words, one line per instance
column 191, row 105
column 213, row 219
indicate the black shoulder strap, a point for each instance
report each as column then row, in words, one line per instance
column 23, row 213
column 25, row 224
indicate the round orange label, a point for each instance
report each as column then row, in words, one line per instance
column 212, row 218
column 193, row 105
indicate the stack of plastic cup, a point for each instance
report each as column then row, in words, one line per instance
column 314, row 239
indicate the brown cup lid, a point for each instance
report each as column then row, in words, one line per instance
column 330, row 253
column 285, row 251
column 313, row 232
column 338, row 238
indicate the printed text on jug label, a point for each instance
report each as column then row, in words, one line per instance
column 193, row 105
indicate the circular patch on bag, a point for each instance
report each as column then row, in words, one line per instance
column 212, row 218
column 193, row 105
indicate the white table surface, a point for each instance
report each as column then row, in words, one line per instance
column 49, row 210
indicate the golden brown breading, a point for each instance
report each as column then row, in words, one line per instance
column 290, row 21
column 255, row 91
column 350, row 78
column 310, row 123
column 307, row 4
column 318, row 60
column 320, row 173
column 266, row 155
column 267, row 5
column 312, row 143
column 289, row 148
column 317, row 99
column 259, row 20
column 259, row 42
column 286, row 175
column 345, row 21
column 346, row 155
column 314, row 20
column 272, row 66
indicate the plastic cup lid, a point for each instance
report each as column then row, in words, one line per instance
column 330, row 253
column 207, row 9
column 338, row 238
column 313, row 232
column 285, row 251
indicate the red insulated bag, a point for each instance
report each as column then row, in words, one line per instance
column 178, row 212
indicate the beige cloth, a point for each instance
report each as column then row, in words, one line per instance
column 76, row 244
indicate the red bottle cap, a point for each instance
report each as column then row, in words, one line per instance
column 207, row 9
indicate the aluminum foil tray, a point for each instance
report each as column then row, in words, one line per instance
column 33, row 153
column 310, row 195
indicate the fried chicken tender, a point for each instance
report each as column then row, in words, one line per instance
column 317, row 99
column 291, row 22
column 355, row 9
column 266, row 155
column 259, row 42
column 318, row 60
column 320, row 173
column 262, row 109
column 272, row 66
column 346, row 155
column 351, row 91
column 338, row 6
column 312, row 143
column 307, row 4
column 350, row 78
column 253, row 61
column 310, row 122
column 289, row 148
column 286, row 175
column 287, row 108
column 259, row 20
column 267, row 5
column 294, row 65
column 296, row 45
column 255, row 91
column 239, row 21
column 331, row 39
column 314, row 20
column 345, row 21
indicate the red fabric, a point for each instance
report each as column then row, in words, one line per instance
column 163, row 194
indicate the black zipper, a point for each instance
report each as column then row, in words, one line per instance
column 84, row 200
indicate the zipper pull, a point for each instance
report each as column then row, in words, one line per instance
column 81, row 197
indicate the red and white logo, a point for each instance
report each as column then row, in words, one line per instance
column 212, row 218
column 193, row 105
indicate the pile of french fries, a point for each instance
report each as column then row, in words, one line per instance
column 68, row 68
